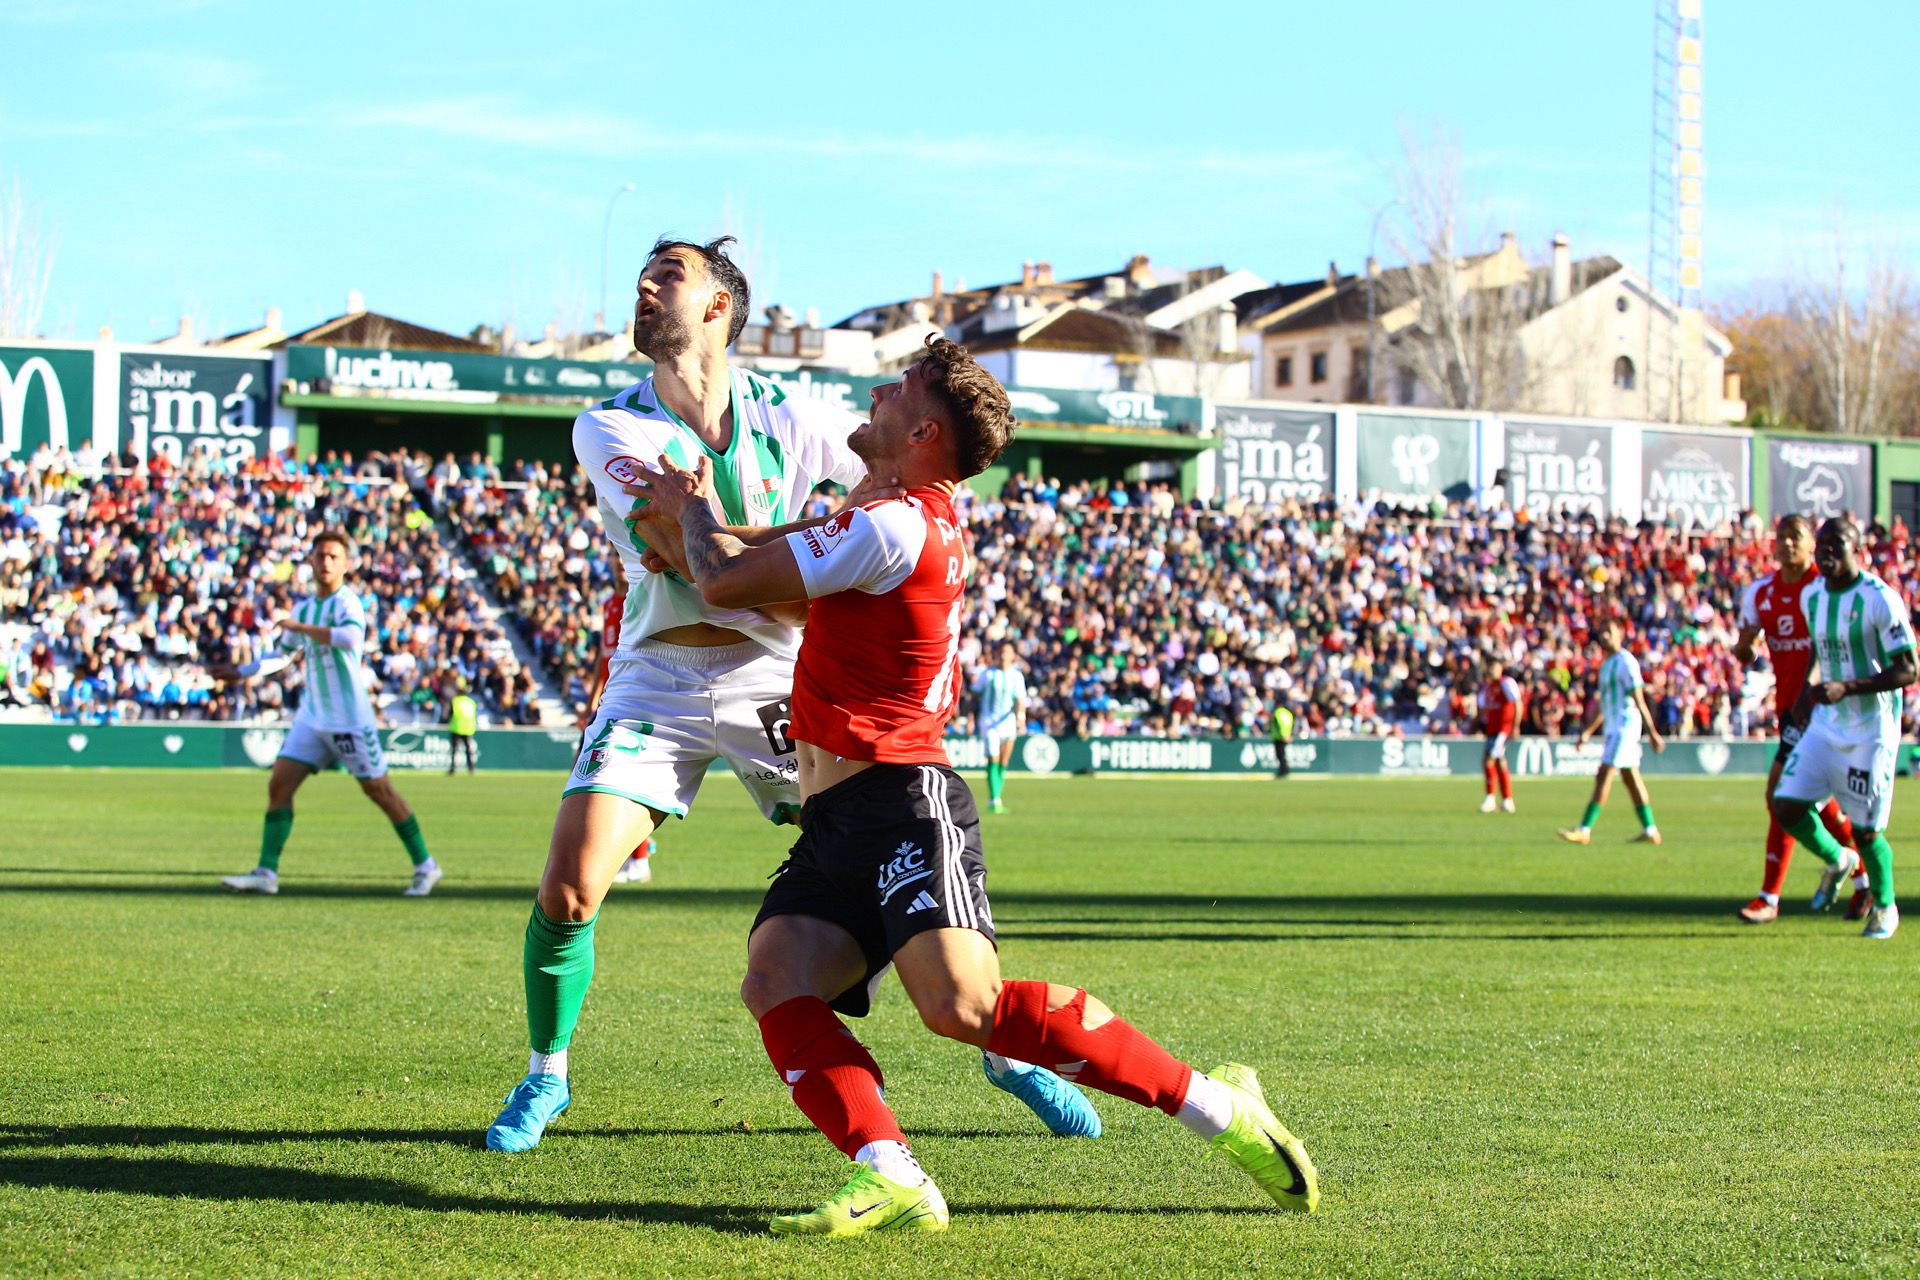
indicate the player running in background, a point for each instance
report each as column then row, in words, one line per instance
column 1623, row 710
column 691, row 682
column 638, row 868
column 1499, row 718
column 1770, row 608
column 335, row 721
column 888, row 869
column 1002, row 694
column 1863, row 653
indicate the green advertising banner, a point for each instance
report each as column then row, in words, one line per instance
column 1141, row 409
column 203, row 746
column 46, row 398
column 1411, row 460
column 457, row 374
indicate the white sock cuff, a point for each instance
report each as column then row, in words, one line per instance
column 1208, row 1106
column 547, row 1064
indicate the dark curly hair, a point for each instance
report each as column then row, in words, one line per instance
column 723, row 272
column 975, row 404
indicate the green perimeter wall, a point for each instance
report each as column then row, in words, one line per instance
column 202, row 746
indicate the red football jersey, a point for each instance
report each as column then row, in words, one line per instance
column 1773, row 605
column 878, row 672
column 1500, row 705
column 610, row 615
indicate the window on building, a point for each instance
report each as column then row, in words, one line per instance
column 1620, row 303
column 1283, row 371
column 1623, row 374
column 1128, row 375
column 1357, row 374
column 1317, row 367
column 1405, row 387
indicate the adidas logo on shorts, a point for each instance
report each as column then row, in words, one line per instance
column 923, row 902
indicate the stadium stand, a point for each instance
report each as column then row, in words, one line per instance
column 1135, row 613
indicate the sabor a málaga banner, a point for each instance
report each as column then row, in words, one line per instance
column 1559, row 467
column 1270, row 455
column 178, row 405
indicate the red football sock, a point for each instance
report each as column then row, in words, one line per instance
column 1837, row 824
column 1113, row 1058
column 835, row 1081
column 1506, row 779
column 1492, row 771
column 1779, row 856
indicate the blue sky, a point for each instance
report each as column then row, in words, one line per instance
column 454, row 162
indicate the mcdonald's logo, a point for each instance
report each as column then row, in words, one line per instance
column 13, row 405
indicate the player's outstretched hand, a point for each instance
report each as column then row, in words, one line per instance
column 875, row 488
column 674, row 488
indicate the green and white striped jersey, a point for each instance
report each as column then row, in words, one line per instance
column 1000, row 690
column 336, row 691
column 1619, row 709
column 1855, row 630
column 782, row 446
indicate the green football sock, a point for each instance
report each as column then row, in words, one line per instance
column 996, row 779
column 1812, row 832
column 559, row 965
column 1644, row 812
column 1591, row 816
column 273, row 837
column 408, row 829
column 1878, row 855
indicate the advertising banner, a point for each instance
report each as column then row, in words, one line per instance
column 1819, row 479
column 1559, row 467
column 456, row 374
column 1410, row 461
column 1270, row 455
column 552, row 750
column 1106, row 409
column 1694, row 479
column 178, row 405
column 46, row 398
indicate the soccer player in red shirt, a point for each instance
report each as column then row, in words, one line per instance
column 888, row 869
column 1770, row 607
column 1500, row 716
column 638, row 868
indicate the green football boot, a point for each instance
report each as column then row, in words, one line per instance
column 1261, row 1145
column 870, row 1202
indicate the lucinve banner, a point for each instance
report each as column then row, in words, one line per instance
column 1694, row 479
column 1819, row 478
column 1270, row 455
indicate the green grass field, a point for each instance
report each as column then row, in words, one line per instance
column 1508, row 1056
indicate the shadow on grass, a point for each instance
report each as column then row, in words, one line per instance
column 239, row 1183
column 140, row 1136
column 1359, row 909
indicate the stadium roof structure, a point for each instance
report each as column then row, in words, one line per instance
column 1073, row 328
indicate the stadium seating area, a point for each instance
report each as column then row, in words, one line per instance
column 1133, row 612
column 117, row 591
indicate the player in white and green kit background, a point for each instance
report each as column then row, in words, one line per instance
column 1000, row 694
column 1623, row 712
column 1863, row 657
column 335, row 722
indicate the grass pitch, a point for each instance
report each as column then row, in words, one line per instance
column 1507, row 1055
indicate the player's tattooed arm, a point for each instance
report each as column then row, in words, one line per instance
column 729, row 571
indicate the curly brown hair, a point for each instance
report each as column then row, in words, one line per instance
column 975, row 404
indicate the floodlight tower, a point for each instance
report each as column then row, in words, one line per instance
column 1675, row 215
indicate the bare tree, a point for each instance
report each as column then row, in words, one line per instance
column 1855, row 335
column 26, row 264
column 1452, row 316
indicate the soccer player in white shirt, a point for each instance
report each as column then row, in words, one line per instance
column 1623, row 710
column 691, row 682
column 1001, row 694
column 335, row 722
column 1864, row 655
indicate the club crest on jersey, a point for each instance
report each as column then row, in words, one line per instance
column 908, row 865
column 626, row 468
column 822, row 539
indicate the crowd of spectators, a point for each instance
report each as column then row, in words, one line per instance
column 122, row 585
column 1133, row 612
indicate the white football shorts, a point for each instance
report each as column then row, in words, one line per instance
column 1000, row 732
column 357, row 749
column 1621, row 749
column 669, row 711
column 1858, row 774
